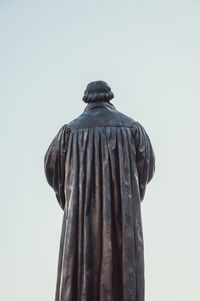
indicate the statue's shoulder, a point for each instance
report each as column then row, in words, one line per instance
column 125, row 120
column 100, row 117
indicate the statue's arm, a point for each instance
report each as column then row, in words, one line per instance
column 145, row 157
column 54, row 164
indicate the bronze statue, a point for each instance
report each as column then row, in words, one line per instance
column 99, row 165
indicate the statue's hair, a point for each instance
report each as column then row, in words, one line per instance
column 97, row 91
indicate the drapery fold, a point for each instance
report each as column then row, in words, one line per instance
column 99, row 175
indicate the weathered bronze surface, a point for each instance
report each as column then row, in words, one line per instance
column 99, row 165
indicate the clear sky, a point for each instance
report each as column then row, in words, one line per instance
column 149, row 53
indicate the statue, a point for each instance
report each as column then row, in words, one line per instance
column 99, row 165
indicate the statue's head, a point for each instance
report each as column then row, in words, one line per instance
column 97, row 91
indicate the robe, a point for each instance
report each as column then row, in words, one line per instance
column 99, row 165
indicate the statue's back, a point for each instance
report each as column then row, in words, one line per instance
column 99, row 165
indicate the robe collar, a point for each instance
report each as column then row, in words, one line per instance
column 99, row 104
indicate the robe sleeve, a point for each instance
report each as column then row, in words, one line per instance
column 54, row 164
column 145, row 158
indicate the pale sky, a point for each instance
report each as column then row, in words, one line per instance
column 149, row 53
